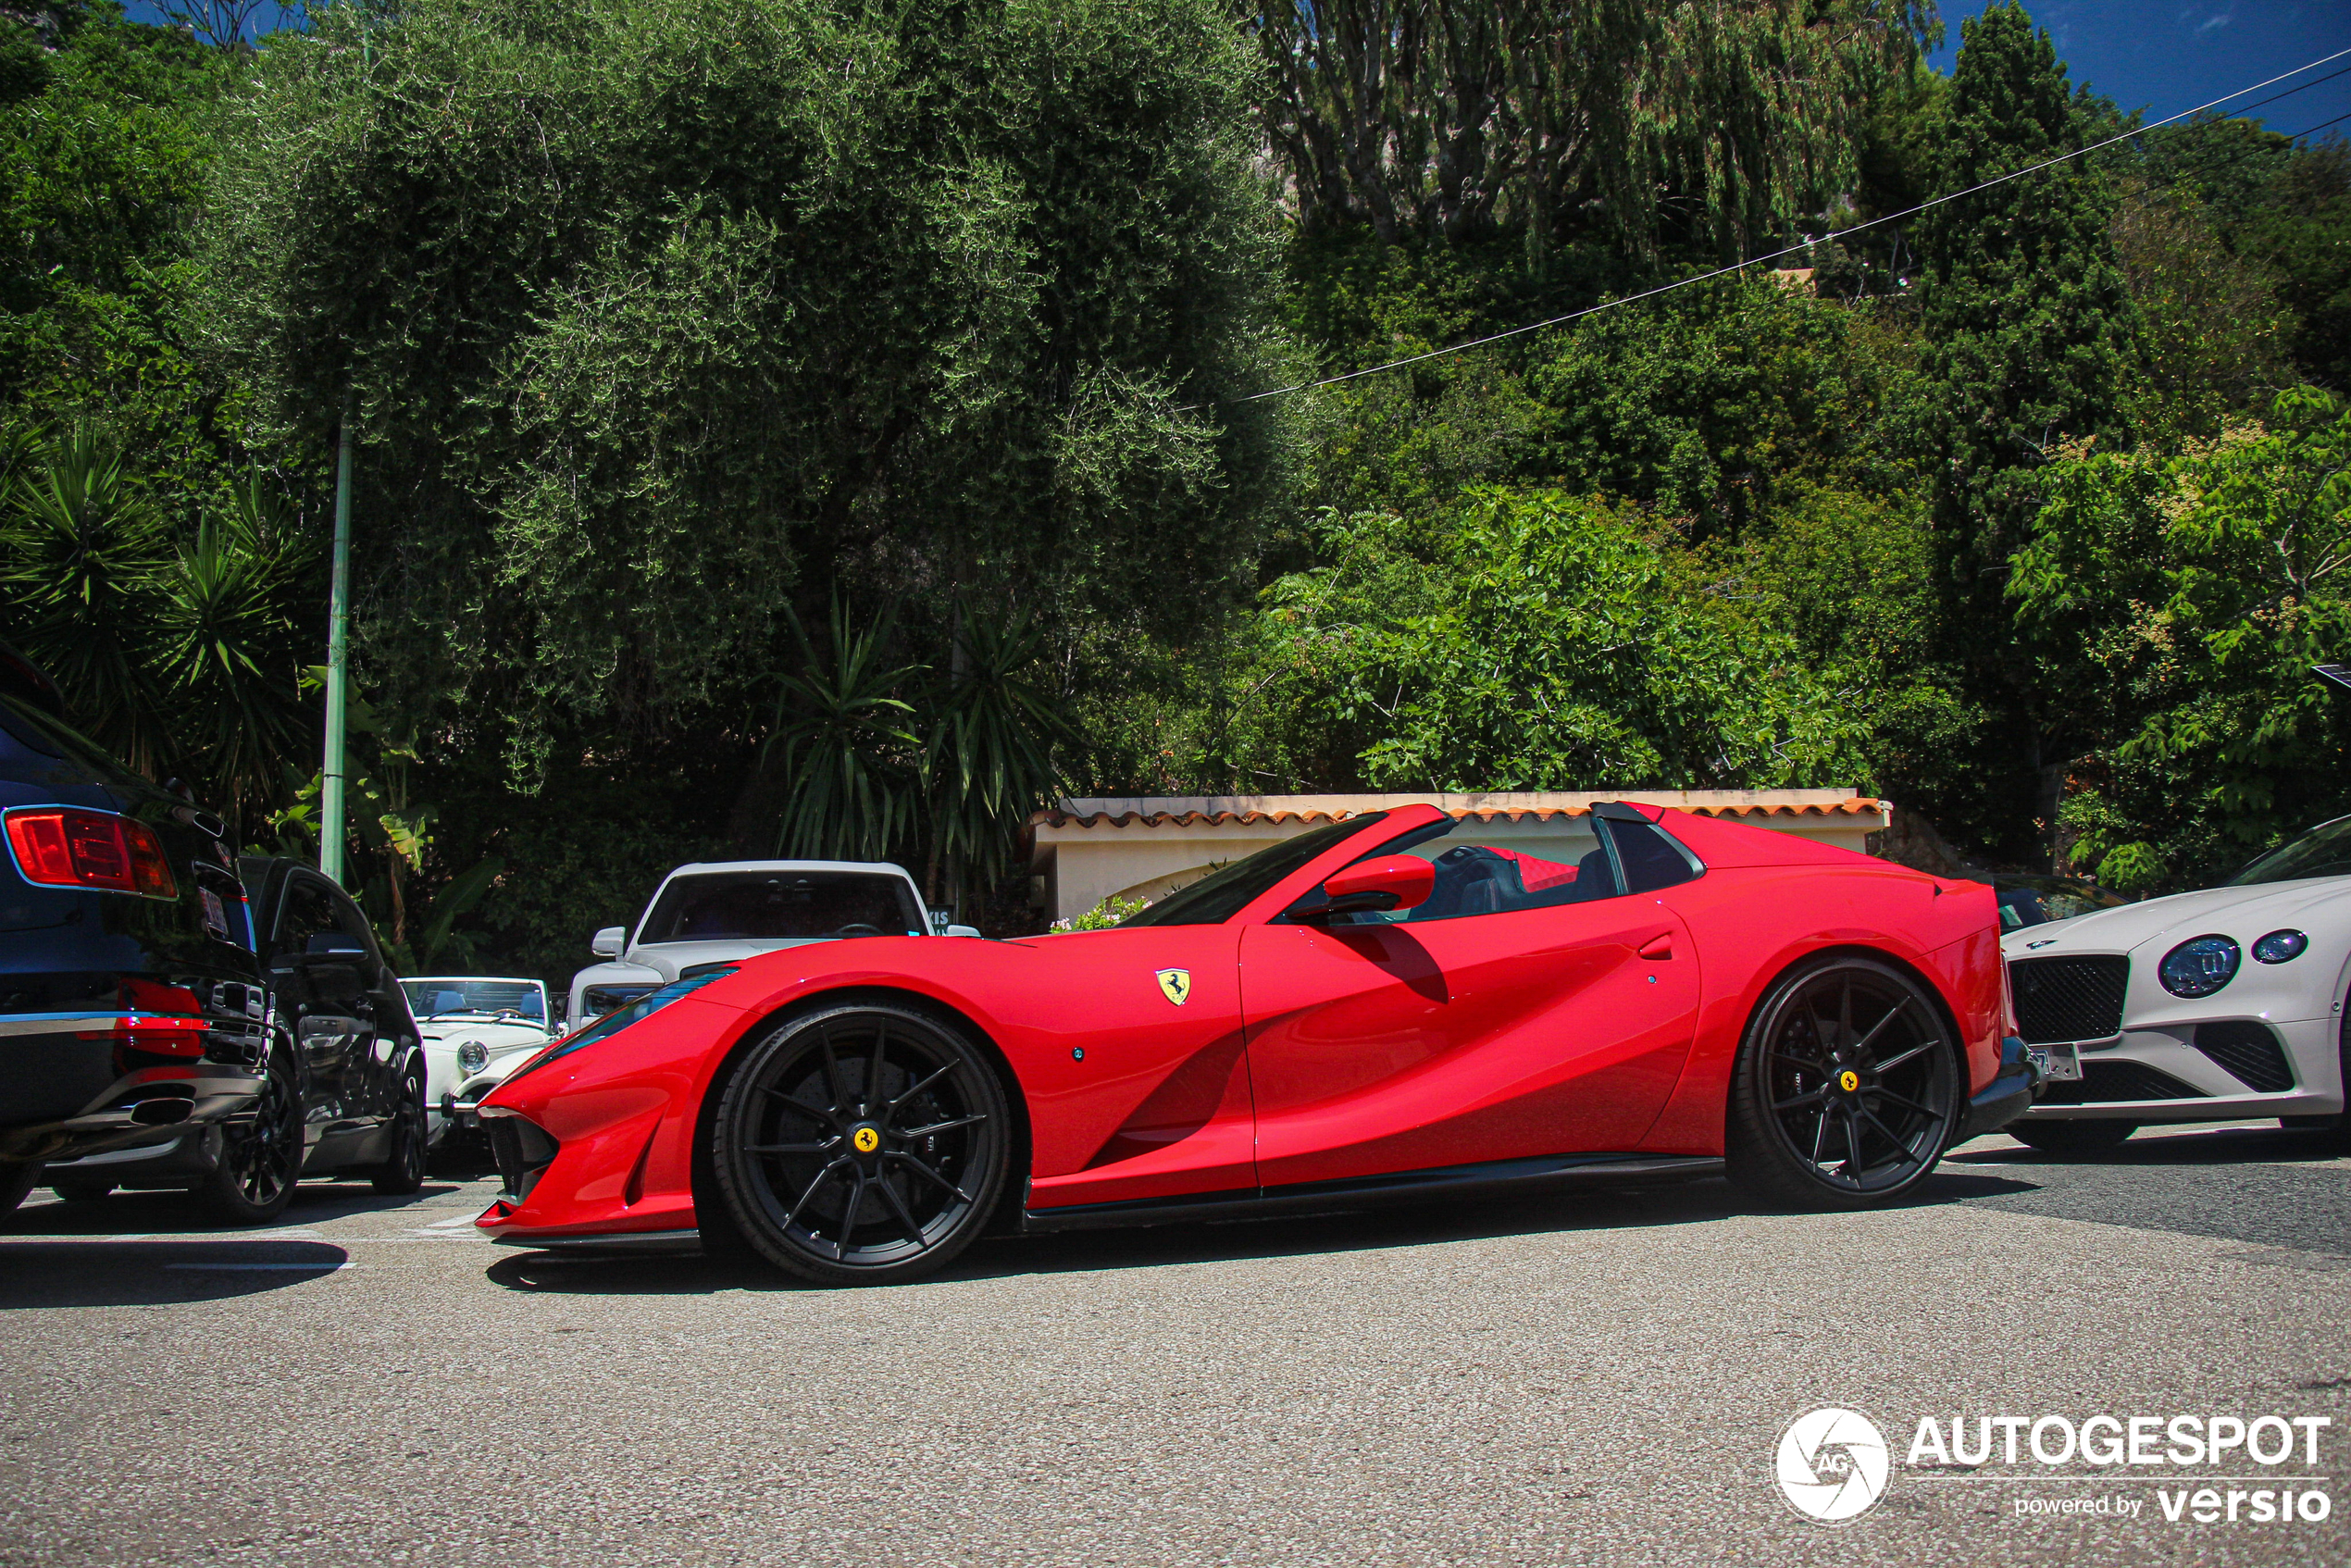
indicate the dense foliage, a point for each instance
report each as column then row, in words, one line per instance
column 828, row 426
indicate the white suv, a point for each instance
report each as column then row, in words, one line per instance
column 719, row 912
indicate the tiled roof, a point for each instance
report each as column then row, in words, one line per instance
column 1184, row 811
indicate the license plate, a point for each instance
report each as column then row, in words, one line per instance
column 2056, row 1062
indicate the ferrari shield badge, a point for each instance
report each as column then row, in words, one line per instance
column 1177, row 984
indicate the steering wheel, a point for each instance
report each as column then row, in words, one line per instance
column 858, row 930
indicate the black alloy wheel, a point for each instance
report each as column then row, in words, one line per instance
column 2075, row 1136
column 1847, row 1087
column 404, row 1169
column 260, row 1157
column 862, row 1145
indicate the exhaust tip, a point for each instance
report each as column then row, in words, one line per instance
column 161, row 1112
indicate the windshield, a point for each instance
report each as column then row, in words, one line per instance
column 2324, row 850
column 446, row 998
column 2037, row 901
column 1220, row 895
column 771, row 905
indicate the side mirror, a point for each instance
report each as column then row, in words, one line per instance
column 608, row 943
column 1395, row 881
column 961, row 931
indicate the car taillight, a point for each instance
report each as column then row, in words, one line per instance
column 64, row 848
column 160, row 1036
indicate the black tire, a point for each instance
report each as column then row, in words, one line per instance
column 1846, row 1089
column 260, row 1160
column 16, row 1182
column 2077, row 1136
column 860, row 1145
column 81, row 1191
column 404, row 1169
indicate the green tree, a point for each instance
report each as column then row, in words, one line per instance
column 1714, row 122
column 2211, row 327
column 2303, row 234
column 1556, row 652
column 102, row 155
column 658, row 316
column 2180, row 603
column 179, row 647
column 2029, row 342
column 1707, row 404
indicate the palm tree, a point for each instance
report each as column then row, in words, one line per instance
column 847, row 755
column 988, row 758
column 80, row 552
column 227, row 647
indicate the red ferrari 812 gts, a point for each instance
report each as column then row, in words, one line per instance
column 1398, row 1005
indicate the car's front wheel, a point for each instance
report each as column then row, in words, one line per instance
column 2077, row 1136
column 1846, row 1087
column 862, row 1145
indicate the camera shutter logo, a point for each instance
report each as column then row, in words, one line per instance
column 1833, row 1466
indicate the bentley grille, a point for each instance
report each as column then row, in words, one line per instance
column 2062, row 1000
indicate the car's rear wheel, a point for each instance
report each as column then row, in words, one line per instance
column 2076, row 1136
column 403, row 1170
column 861, row 1145
column 1846, row 1087
column 260, row 1160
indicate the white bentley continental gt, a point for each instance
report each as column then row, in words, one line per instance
column 2225, row 1004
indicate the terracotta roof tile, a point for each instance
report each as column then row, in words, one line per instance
column 1856, row 807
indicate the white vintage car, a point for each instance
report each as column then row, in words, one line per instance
column 721, row 912
column 2225, row 1004
column 477, row 1029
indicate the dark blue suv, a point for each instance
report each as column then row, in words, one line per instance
column 146, row 1036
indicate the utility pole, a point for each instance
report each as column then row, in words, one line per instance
column 331, row 793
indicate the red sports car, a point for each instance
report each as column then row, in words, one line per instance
column 1400, row 1005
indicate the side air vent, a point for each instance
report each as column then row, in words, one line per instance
column 2110, row 1083
column 523, row 1151
column 2060, row 999
column 2248, row 1051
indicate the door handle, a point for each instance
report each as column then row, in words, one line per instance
column 1658, row 947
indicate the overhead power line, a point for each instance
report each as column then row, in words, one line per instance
column 2320, row 126
column 1791, row 250
column 2301, row 87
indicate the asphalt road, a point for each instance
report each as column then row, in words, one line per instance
column 1598, row 1379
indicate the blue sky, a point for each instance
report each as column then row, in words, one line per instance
column 2163, row 56
column 2160, row 55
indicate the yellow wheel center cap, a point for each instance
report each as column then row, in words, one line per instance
column 867, row 1140
column 1847, row 1080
